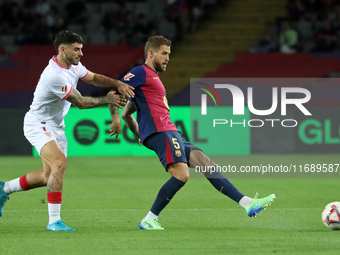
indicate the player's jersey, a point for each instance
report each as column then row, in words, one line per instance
column 54, row 86
column 150, row 101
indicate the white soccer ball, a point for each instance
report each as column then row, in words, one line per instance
column 331, row 215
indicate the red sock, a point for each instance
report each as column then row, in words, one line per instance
column 23, row 183
column 54, row 206
column 54, row 197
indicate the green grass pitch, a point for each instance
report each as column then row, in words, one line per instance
column 105, row 198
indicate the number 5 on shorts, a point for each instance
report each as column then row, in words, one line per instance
column 176, row 144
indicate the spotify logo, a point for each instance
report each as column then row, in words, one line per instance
column 86, row 132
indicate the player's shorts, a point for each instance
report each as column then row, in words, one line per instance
column 40, row 134
column 170, row 147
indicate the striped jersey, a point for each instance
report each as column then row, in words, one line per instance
column 150, row 101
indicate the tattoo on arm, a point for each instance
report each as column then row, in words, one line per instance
column 85, row 102
column 104, row 81
column 113, row 109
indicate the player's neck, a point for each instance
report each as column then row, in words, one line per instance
column 62, row 62
column 151, row 66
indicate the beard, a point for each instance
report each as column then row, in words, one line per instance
column 158, row 67
column 71, row 61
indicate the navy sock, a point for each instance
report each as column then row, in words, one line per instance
column 224, row 186
column 165, row 194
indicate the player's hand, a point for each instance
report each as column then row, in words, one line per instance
column 140, row 141
column 116, row 100
column 125, row 89
column 115, row 128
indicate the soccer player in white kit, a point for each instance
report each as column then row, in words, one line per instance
column 44, row 122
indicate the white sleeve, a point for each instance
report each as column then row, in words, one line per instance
column 60, row 86
column 82, row 71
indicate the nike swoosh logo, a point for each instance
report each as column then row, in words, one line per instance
column 155, row 78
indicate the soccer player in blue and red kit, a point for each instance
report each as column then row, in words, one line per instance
column 158, row 133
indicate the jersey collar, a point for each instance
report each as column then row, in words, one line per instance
column 54, row 59
column 150, row 68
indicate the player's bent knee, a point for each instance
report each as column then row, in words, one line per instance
column 182, row 177
column 60, row 166
column 179, row 171
column 185, row 177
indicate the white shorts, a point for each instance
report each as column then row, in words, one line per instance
column 39, row 134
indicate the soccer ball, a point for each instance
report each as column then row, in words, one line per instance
column 331, row 215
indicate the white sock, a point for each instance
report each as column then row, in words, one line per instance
column 151, row 216
column 12, row 186
column 53, row 212
column 245, row 201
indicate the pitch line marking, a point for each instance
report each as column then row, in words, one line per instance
column 190, row 209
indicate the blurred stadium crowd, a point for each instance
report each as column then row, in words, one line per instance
column 98, row 21
column 310, row 26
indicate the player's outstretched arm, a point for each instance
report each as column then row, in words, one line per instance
column 90, row 102
column 100, row 80
column 115, row 126
column 128, row 118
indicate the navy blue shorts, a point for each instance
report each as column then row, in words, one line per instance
column 170, row 147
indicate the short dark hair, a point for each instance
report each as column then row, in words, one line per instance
column 155, row 43
column 66, row 37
